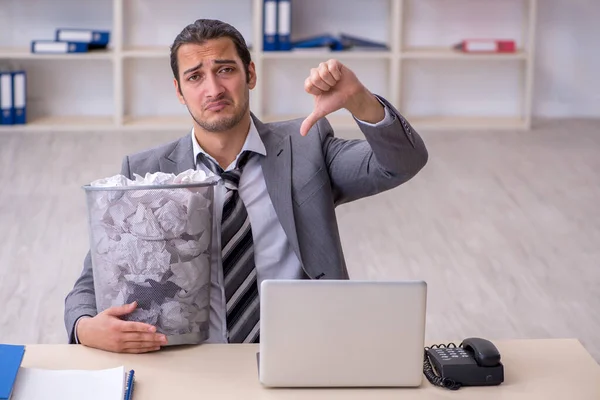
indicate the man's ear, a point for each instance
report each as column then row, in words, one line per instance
column 178, row 90
column 251, row 75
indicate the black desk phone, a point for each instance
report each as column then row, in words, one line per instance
column 476, row 362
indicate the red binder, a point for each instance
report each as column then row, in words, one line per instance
column 487, row 46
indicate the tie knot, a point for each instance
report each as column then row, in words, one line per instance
column 230, row 178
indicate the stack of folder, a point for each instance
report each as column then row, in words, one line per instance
column 13, row 97
column 72, row 41
column 277, row 21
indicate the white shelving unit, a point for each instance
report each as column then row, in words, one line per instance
column 131, row 82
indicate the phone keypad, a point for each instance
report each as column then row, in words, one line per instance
column 452, row 354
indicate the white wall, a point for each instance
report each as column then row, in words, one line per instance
column 568, row 59
column 567, row 81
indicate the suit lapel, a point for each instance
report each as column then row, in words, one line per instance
column 180, row 159
column 277, row 170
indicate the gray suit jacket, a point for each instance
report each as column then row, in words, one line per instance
column 306, row 177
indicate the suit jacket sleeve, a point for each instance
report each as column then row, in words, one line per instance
column 391, row 154
column 81, row 300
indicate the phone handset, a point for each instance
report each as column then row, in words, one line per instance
column 476, row 362
column 484, row 351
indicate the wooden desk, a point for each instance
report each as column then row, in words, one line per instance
column 534, row 369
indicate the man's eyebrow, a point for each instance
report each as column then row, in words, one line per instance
column 218, row 61
column 224, row 61
column 197, row 67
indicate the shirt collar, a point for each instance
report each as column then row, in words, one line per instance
column 253, row 143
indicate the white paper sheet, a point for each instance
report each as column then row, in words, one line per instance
column 35, row 384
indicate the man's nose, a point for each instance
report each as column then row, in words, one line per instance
column 213, row 86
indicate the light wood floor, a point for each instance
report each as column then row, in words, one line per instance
column 504, row 227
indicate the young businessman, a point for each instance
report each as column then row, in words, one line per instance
column 276, row 211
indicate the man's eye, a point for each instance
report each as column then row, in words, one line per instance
column 226, row 70
column 193, row 78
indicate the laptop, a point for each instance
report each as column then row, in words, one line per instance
column 341, row 333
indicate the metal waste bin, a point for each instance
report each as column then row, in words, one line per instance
column 151, row 244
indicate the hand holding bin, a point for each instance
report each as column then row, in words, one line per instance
column 150, row 242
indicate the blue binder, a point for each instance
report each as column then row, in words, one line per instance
column 54, row 47
column 326, row 40
column 270, row 37
column 6, row 98
column 19, row 79
column 94, row 38
column 354, row 41
column 10, row 362
column 284, row 24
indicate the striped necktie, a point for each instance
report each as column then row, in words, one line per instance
column 237, row 254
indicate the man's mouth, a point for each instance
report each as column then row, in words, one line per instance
column 217, row 105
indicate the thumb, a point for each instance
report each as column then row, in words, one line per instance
column 119, row 311
column 309, row 122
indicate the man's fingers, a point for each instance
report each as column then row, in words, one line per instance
column 316, row 80
column 119, row 311
column 139, row 350
column 148, row 338
column 136, row 346
column 325, row 74
column 308, row 123
column 310, row 88
column 335, row 69
column 131, row 326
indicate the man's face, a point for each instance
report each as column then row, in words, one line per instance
column 213, row 84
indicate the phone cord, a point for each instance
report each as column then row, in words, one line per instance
column 437, row 380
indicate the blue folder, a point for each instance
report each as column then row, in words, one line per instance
column 6, row 98
column 354, row 41
column 19, row 97
column 94, row 38
column 54, row 47
column 270, row 36
column 284, row 24
column 325, row 40
column 10, row 362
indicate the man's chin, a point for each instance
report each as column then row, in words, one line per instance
column 219, row 123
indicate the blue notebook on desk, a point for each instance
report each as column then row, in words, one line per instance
column 10, row 362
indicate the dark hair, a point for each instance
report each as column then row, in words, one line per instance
column 206, row 29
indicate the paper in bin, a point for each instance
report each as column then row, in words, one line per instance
column 152, row 246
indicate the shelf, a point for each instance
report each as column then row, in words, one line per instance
column 157, row 52
column 319, row 54
column 135, row 85
column 467, row 123
column 184, row 123
column 424, row 123
column 441, row 53
column 338, row 121
column 24, row 53
column 147, row 52
column 64, row 123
